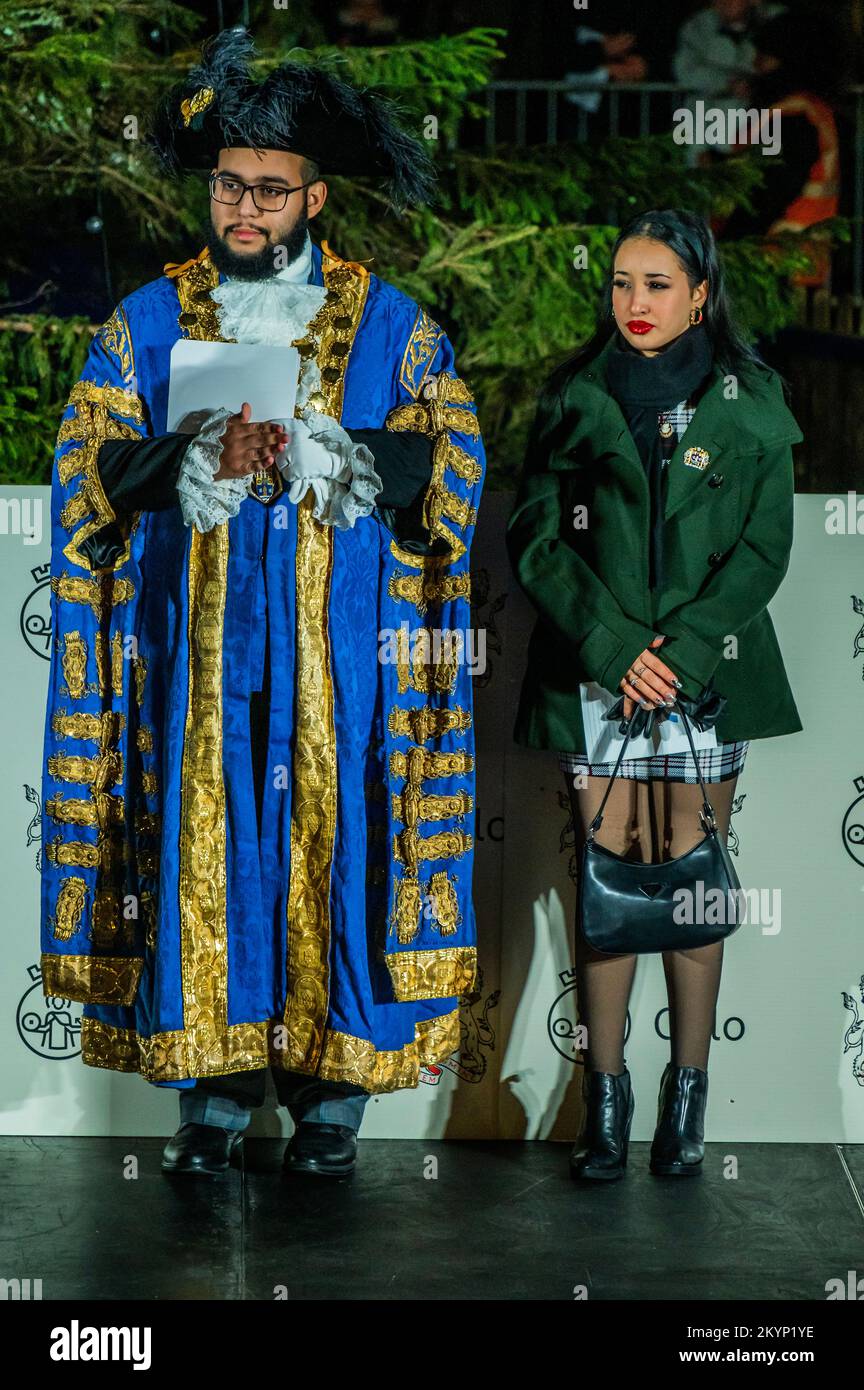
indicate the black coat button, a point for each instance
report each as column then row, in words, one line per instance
column 715, row 557
column 716, row 480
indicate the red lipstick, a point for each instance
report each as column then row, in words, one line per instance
column 639, row 326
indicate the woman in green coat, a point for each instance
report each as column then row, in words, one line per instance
column 652, row 525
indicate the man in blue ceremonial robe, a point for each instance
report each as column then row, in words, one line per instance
column 259, row 772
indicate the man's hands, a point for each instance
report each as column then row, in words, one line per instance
column 649, row 682
column 248, row 445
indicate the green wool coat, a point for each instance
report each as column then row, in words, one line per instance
column 727, row 535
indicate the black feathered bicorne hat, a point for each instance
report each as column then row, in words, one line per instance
column 298, row 107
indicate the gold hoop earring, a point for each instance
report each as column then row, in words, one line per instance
column 698, row 311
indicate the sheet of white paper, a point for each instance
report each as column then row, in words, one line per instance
column 603, row 741
column 209, row 376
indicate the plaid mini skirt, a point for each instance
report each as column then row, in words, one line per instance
column 717, row 765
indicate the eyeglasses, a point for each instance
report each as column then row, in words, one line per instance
column 266, row 197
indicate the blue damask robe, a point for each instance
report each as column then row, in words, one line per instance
column 338, row 943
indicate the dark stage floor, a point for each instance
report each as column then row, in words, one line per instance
column 500, row 1221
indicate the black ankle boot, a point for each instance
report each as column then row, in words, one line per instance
column 601, row 1152
column 678, row 1147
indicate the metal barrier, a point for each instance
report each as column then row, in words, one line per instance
column 555, row 92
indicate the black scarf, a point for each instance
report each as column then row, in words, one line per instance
column 645, row 386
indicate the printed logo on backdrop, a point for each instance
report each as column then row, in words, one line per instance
column 858, row 646
column 35, row 619
column 34, row 829
column 853, row 1038
column 733, row 844
column 563, row 1022
column 484, row 611
column 50, row 1027
column 853, row 825
column 476, row 1039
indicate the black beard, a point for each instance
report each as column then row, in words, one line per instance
column 263, row 265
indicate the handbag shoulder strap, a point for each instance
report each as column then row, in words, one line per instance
column 706, row 814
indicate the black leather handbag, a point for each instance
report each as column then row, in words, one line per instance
column 627, row 907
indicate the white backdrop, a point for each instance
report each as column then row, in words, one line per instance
column 786, row 1063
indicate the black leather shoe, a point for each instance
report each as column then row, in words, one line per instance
column 601, row 1151
column 324, row 1150
column 200, row 1149
column 678, row 1148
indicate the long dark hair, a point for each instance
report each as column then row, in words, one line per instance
column 691, row 239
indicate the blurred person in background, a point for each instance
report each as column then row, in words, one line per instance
column 716, row 55
column 795, row 74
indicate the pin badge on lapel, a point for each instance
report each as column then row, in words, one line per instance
column 697, row 457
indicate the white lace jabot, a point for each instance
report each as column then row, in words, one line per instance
column 278, row 311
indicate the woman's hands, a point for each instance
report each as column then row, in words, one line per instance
column 649, row 682
column 248, row 446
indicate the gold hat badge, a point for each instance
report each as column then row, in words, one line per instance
column 193, row 106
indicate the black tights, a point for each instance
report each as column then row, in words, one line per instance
column 648, row 822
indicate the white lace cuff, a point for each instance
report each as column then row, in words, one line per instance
column 349, row 501
column 204, row 501
column 341, row 473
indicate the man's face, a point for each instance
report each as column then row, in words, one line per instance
column 244, row 239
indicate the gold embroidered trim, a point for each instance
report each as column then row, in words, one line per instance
column 435, row 764
column 425, row 676
column 93, row 423
column 74, row 663
column 409, row 849
column 149, row 917
column 433, row 417
column 443, row 410
column 313, row 815
column 91, row 979
column 74, row 853
column 452, row 970
column 144, row 739
column 464, row 465
column 70, row 767
column 140, row 671
column 75, row 508
column 407, row 906
column 117, row 338
column 79, row 812
column 116, row 665
column 69, row 908
column 202, row 872
column 430, row 587
column 194, row 281
column 249, row 1046
column 425, row 723
column 105, row 727
column 409, row 807
column 109, row 927
column 420, row 351
column 446, row 916
column 72, row 589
